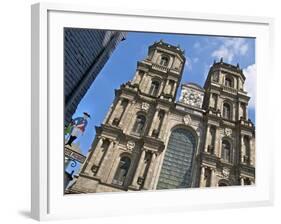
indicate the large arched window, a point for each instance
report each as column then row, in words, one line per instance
column 225, row 151
column 164, row 61
column 154, row 88
column 122, row 171
column 139, row 124
column 177, row 164
column 226, row 111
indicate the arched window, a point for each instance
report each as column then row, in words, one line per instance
column 225, row 151
column 139, row 124
column 164, row 61
column 122, row 171
column 154, row 88
column 226, row 111
column 177, row 164
column 228, row 82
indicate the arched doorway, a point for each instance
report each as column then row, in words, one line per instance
column 177, row 164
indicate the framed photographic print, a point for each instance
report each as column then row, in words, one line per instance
column 148, row 111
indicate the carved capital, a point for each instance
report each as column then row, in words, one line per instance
column 187, row 119
column 131, row 145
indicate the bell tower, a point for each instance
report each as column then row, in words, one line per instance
column 160, row 73
column 126, row 151
column 229, row 133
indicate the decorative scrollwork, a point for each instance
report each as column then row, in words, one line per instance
column 73, row 163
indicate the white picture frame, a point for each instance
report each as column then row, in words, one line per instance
column 48, row 201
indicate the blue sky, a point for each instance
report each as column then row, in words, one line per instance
column 200, row 52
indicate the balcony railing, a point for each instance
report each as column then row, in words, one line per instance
column 160, row 67
column 229, row 89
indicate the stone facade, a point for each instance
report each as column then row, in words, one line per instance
column 149, row 141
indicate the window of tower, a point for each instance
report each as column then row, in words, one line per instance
column 164, row 61
column 226, row 111
column 122, row 171
column 228, row 82
column 139, row 124
column 154, row 88
column 225, row 152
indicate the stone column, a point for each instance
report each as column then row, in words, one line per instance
column 242, row 149
column 250, row 152
column 246, row 112
column 174, row 88
column 109, row 116
column 216, row 142
column 148, row 179
column 213, row 178
column 103, row 169
column 241, row 181
column 125, row 113
column 155, row 171
column 139, row 169
column 142, row 81
column 207, row 140
column 163, row 126
column 202, row 176
column 114, row 110
column 167, row 88
column 93, row 155
column 212, row 100
column 153, row 122
column 137, row 78
column 240, row 110
column 128, row 116
column 97, row 154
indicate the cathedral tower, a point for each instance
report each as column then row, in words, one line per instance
column 228, row 156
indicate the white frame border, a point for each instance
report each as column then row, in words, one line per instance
column 40, row 105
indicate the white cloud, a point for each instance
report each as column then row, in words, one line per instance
column 195, row 60
column 197, row 45
column 229, row 48
column 188, row 64
column 250, row 84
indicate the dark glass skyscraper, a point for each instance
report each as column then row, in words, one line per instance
column 85, row 53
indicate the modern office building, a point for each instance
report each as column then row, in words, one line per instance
column 85, row 53
column 149, row 140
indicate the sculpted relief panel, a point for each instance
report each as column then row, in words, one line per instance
column 192, row 97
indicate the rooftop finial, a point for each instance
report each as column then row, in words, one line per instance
column 215, row 61
column 237, row 65
column 221, row 61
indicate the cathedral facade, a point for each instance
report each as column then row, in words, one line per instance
column 149, row 140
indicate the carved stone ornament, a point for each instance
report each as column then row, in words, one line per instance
column 225, row 172
column 145, row 106
column 187, row 119
column 192, row 97
column 131, row 144
column 227, row 131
